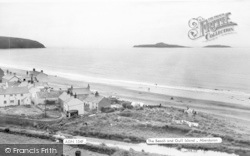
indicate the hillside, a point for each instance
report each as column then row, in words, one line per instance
column 12, row 42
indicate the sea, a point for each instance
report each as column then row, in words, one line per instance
column 183, row 68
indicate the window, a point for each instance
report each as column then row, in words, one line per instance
column 11, row 94
column 5, row 102
column 11, row 101
column 21, row 94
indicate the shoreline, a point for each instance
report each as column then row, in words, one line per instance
column 130, row 84
column 222, row 95
column 235, row 105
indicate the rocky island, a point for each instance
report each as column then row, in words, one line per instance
column 217, row 46
column 12, row 42
column 159, row 45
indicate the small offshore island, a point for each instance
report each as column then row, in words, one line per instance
column 12, row 42
column 217, row 46
column 159, row 45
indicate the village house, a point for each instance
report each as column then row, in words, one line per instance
column 96, row 102
column 13, row 84
column 29, row 79
column 1, row 75
column 14, row 96
column 25, row 84
column 81, row 93
column 33, row 91
column 11, row 78
column 63, row 97
column 38, row 76
column 44, row 96
column 73, row 104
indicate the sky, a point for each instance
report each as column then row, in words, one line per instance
column 119, row 23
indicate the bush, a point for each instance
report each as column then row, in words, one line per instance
column 127, row 105
column 126, row 114
column 127, row 140
column 179, row 147
column 107, row 109
column 7, row 130
column 122, row 153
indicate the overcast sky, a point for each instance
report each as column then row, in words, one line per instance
column 118, row 23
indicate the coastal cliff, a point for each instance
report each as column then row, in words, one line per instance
column 12, row 42
column 159, row 45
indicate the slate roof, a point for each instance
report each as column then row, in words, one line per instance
column 14, row 84
column 35, row 73
column 14, row 90
column 82, row 97
column 1, row 72
column 73, row 101
column 51, row 94
column 93, row 98
column 79, row 91
column 8, row 77
column 64, row 96
column 29, row 79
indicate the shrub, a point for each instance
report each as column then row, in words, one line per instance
column 122, row 153
column 126, row 114
column 179, row 147
column 126, row 140
column 107, row 109
column 7, row 130
column 127, row 105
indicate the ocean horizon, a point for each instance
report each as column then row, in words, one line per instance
column 199, row 69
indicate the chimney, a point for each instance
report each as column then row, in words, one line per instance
column 88, row 87
column 14, row 74
column 96, row 93
column 34, row 69
column 41, row 71
column 31, row 79
column 75, row 95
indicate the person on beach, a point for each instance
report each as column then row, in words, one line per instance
column 149, row 89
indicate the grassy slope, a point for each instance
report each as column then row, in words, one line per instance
column 138, row 125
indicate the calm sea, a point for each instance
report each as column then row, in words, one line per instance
column 222, row 68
